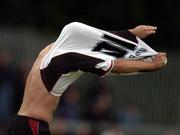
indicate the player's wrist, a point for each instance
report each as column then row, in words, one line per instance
column 145, row 66
column 157, row 66
column 136, row 33
column 132, row 32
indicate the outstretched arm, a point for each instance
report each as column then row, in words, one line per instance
column 130, row 66
column 143, row 31
column 140, row 31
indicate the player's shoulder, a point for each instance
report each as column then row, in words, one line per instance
column 45, row 50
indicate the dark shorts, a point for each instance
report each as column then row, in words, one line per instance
column 23, row 125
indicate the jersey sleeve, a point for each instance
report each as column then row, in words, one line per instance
column 59, row 71
column 74, row 61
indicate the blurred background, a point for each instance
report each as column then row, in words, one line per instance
column 147, row 104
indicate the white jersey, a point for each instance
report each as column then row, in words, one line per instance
column 81, row 48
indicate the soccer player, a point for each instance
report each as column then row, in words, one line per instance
column 79, row 48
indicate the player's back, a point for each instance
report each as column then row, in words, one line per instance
column 38, row 102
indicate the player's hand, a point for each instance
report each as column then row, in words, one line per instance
column 159, row 60
column 143, row 31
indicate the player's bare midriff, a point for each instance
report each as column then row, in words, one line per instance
column 38, row 102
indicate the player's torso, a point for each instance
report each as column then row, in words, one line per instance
column 37, row 101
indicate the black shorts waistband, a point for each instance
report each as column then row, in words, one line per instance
column 25, row 125
column 42, row 123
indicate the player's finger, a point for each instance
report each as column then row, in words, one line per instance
column 150, row 32
column 163, row 53
column 158, row 55
column 151, row 27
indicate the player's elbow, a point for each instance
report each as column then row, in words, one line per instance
column 73, row 27
column 119, row 68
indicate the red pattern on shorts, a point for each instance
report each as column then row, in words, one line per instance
column 34, row 124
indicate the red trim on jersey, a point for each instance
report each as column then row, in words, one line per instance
column 109, row 70
column 34, row 125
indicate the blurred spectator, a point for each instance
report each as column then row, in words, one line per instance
column 101, row 108
column 69, row 127
column 69, row 105
column 59, row 127
column 11, row 88
column 129, row 116
column 100, row 104
column 113, row 130
column 171, row 132
column 83, row 129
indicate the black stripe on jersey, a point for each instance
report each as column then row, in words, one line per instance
column 69, row 62
column 49, row 77
column 120, row 42
column 125, row 34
